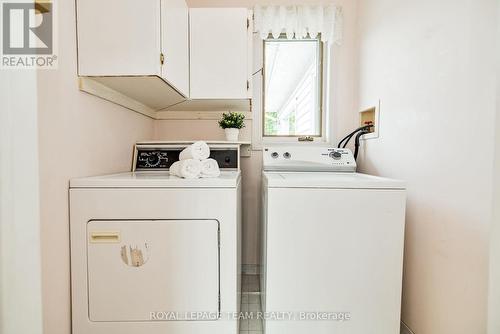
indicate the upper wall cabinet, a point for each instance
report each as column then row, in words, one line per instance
column 120, row 41
column 219, row 49
column 175, row 44
column 157, row 56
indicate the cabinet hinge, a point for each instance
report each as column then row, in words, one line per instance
column 248, row 23
column 162, row 58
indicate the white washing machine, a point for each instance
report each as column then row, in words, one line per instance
column 332, row 252
column 153, row 253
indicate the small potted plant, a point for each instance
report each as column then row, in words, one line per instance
column 232, row 122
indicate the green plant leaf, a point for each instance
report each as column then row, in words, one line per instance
column 233, row 120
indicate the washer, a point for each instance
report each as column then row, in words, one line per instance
column 154, row 253
column 332, row 244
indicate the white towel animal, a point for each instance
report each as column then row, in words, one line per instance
column 188, row 169
column 209, row 168
column 198, row 150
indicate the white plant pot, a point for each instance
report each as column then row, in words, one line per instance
column 232, row 134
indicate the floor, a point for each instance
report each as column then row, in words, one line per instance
column 250, row 305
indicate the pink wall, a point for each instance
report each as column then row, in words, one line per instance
column 79, row 135
column 431, row 63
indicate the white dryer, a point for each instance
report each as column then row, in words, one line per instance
column 154, row 253
column 332, row 244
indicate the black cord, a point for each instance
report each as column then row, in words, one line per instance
column 356, row 142
column 349, row 136
column 348, row 140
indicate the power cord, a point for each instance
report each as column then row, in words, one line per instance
column 356, row 142
column 349, row 136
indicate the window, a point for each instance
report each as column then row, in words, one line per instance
column 292, row 88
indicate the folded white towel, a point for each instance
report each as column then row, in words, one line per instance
column 209, row 168
column 188, row 169
column 198, row 150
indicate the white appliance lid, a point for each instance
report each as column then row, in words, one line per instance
column 160, row 179
column 329, row 181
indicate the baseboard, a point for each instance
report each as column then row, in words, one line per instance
column 405, row 329
column 250, row 269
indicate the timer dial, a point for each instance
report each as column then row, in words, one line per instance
column 335, row 155
column 154, row 159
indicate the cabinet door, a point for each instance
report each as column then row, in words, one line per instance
column 118, row 37
column 175, row 44
column 219, row 53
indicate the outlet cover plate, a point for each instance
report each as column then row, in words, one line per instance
column 375, row 109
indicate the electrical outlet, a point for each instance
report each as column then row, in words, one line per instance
column 370, row 115
column 246, row 150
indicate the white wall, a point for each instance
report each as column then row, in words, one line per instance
column 20, row 268
column 494, row 286
column 79, row 135
column 431, row 64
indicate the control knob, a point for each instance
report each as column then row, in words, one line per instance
column 153, row 160
column 335, row 155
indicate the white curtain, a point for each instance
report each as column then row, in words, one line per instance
column 299, row 21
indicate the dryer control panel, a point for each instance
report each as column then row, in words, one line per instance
column 161, row 155
column 308, row 159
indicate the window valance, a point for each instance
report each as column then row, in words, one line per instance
column 299, row 21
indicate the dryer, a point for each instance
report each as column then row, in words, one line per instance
column 332, row 250
column 154, row 253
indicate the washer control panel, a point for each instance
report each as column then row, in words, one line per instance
column 308, row 158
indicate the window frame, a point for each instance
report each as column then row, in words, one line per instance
column 321, row 95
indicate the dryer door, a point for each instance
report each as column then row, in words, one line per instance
column 153, row 269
